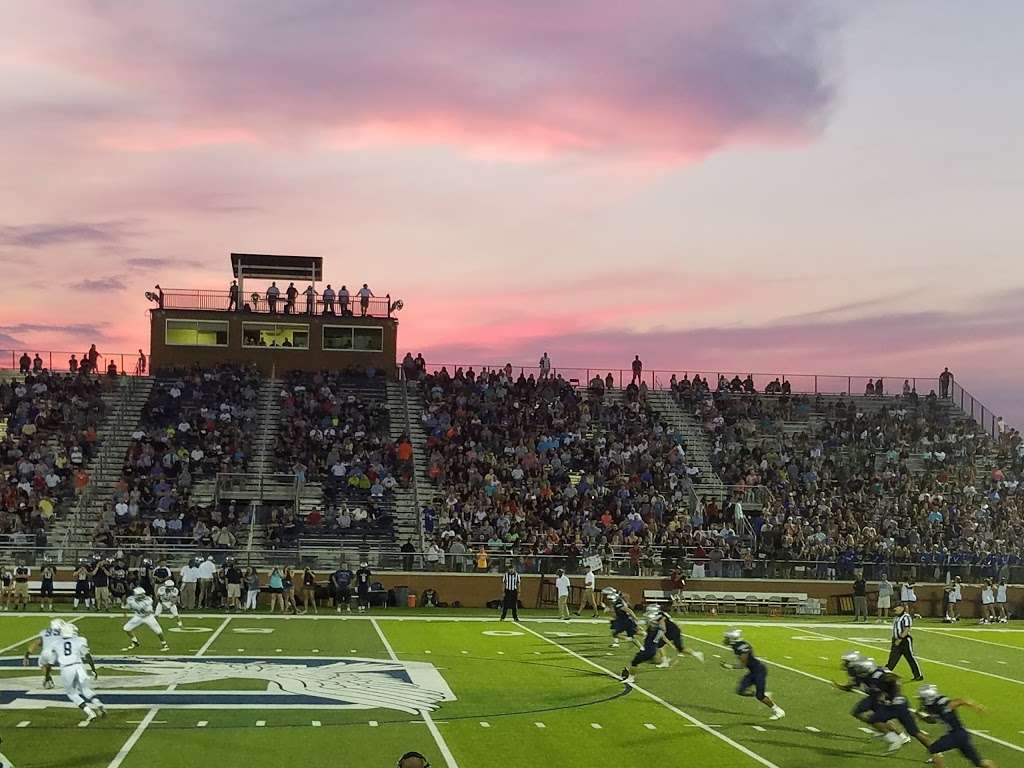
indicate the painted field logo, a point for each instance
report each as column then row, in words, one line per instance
column 294, row 683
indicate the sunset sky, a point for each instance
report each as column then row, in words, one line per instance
column 790, row 185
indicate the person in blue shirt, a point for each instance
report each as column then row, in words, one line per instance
column 938, row 708
column 624, row 620
column 341, row 582
column 756, row 675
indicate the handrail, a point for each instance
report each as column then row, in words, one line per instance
column 56, row 361
column 415, row 479
column 257, row 303
column 852, row 385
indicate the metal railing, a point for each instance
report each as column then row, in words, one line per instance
column 415, row 479
column 220, row 301
column 257, row 486
column 58, row 361
column 800, row 383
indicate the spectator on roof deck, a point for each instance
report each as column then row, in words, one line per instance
column 365, row 294
column 24, row 362
column 273, row 293
column 343, row 299
column 638, row 370
column 73, row 364
column 233, row 296
column 310, row 294
column 94, row 357
column 328, row 297
column 290, row 294
column 609, row 381
column 140, row 365
column 869, row 389
column 37, row 364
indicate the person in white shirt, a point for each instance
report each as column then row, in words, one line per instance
column 988, row 600
column 141, row 605
column 1000, row 608
column 189, row 582
column 885, row 593
column 167, row 600
column 908, row 597
column 364, row 299
column 206, row 570
column 955, row 596
column 71, row 654
column 562, row 585
column 589, row 595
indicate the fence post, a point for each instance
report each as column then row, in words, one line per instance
column 849, row 385
column 815, row 383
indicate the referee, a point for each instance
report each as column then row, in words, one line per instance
column 903, row 643
column 511, row 583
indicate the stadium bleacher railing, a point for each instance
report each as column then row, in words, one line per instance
column 848, row 385
column 57, row 361
column 218, row 301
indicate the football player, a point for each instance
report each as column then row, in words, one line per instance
column 673, row 634
column 70, row 655
column 48, row 638
column 864, row 676
column 167, row 600
column 936, row 707
column 892, row 705
column 654, row 640
column 756, row 672
column 624, row 621
column 141, row 605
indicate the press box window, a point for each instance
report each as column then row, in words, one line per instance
column 275, row 336
column 339, row 338
column 196, row 333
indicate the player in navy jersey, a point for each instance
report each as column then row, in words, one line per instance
column 654, row 641
column 864, row 676
column 892, row 705
column 756, row 673
column 673, row 634
column 934, row 708
column 624, row 621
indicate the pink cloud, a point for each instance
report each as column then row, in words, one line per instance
column 654, row 79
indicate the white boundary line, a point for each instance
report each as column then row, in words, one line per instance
column 690, row 718
column 30, row 638
column 830, row 683
column 151, row 714
column 922, row 658
column 442, row 745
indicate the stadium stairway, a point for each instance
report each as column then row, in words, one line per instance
column 115, row 436
column 698, row 449
column 269, row 407
column 406, row 411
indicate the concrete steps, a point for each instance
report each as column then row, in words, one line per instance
column 698, row 447
column 407, row 514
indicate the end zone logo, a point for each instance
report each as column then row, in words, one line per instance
column 291, row 682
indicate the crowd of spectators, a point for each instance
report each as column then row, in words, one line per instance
column 336, row 430
column 872, row 482
column 49, row 435
column 538, row 467
column 194, row 425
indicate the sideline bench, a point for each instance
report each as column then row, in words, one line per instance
column 749, row 602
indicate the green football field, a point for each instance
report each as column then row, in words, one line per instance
column 236, row 692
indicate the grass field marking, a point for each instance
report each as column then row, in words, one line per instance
column 922, row 658
column 671, row 707
column 442, row 745
column 23, row 724
column 32, row 637
column 948, row 633
column 133, row 739
column 831, row 684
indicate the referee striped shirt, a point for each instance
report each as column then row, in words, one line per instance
column 901, row 623
column 511, row 581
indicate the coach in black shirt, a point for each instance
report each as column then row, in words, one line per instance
column 511, row 583
column 860, row 597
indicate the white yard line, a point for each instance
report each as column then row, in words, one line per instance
column 442, row 745
column 672, row 708
column 30, row 638
column 922, row 658
column 831, row 684
column 966, row 637
column 151, row 714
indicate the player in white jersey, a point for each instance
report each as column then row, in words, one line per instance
column 71, row 654
column 167, row 596
column 47, row 639
column 141, row 605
